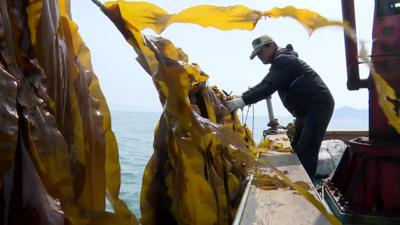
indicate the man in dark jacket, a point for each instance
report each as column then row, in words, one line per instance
column 302, row 92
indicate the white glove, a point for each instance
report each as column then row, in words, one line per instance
column 234, row 104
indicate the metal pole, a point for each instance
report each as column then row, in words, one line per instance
column 270, row 110
column 240, row 211
column 273, row 123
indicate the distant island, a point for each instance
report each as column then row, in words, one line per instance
column 347, row 112
column 343, row 118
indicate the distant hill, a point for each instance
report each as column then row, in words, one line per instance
column 343, row 118
column 342, row 113
column 348, row 118
column 347, row 112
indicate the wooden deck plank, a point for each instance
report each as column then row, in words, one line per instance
column 281, row 206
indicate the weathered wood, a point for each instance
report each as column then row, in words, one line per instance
column 281, row 206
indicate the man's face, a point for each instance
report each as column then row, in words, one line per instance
column 266, row 53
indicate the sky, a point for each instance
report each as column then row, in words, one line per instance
column 223, row 55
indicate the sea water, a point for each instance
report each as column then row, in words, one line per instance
column 135, row 133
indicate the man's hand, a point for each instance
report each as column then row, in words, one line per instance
column 234, row 104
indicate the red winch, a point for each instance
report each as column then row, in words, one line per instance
column 365, row 188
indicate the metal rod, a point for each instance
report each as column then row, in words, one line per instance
column 353, row 73
column 239, row 212
column 270, row 110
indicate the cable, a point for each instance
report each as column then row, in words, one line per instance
column 242, row 116
column 252, row 126
column 98, row 3
column 247, row 113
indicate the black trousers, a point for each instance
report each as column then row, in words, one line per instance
column 309, row 132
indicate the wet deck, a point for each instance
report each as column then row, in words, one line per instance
column 279, row 206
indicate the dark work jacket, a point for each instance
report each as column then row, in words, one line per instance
column 300, row 88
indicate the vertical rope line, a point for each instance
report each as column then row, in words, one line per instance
column 252, row 126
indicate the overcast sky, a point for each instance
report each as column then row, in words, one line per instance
column 224, row 55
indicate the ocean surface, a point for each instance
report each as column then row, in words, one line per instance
column 135, row 132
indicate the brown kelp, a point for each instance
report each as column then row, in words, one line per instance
column 184, row 139
column 59, row 154
column 59, row 158
column 201, row 157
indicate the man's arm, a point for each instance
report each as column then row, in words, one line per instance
column 262, row 90
column 282, row 72
column 254, row 94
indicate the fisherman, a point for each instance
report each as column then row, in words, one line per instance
column 302, row 92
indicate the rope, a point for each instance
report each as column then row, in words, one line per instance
column 247, row 113
column 242, row 117
column 252, row 126
column 98, row 3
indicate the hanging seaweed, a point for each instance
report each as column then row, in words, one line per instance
column 59, row 154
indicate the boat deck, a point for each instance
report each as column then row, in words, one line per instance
column 281, row 206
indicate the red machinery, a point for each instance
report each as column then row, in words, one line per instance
column 365, row 188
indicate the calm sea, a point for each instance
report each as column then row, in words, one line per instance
column 135, row 131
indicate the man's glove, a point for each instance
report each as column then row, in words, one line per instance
column 234, row 104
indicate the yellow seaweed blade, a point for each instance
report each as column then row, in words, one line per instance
column 131, row 32
column 152, row 189
column 111, row 164
column 309, row 19
column 265, row 143
column 384, row 91
column 170, row 51
column 192, row 144
column 223, row 18
column 189, row 182
column 277, row 145
column 210, row 107
column 195, row 73
column 46, row 146
column 286, row 149
column 34, row 13
column 143, row 15
column 112, row 167
column 92, row 148
column 94, row 186
column 233, row 186
column 186, row 134
column 249, row 137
